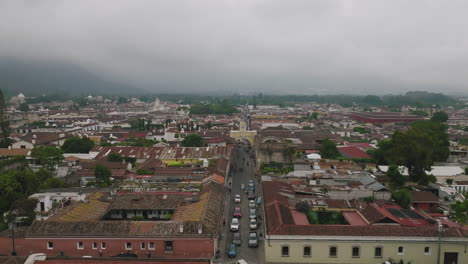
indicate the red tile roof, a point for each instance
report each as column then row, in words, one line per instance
column 354, row 152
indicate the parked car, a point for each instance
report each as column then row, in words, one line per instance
column 236, row 240
column 253, row 239
column 251, row 195
column 253, row 213
column 235, row 224
column 232, row 251
column 252, row 204
column 237, row 198
column 237, row 212
column 253, row 224
column 252, row 188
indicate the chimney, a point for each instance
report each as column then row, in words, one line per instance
column 200, row 229
column 33, row 142
column 181, row 228
column 34, row 136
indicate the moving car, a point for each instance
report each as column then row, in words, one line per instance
column 236, row 240
column 253, row 239
column 237, row 212
column 237, row 198
column 243, row 187
column 232, row 251
column 253, row 224
column 252, row 213
column 235, row 224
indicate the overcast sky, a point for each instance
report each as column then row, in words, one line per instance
column 233, row 45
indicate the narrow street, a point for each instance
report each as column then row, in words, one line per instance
column 243, row 170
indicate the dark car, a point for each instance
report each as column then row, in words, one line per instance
column 232, row 251
column 253, row 239
column 251, row 195
column 236, row 240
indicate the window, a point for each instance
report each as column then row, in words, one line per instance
column 151, row 246
column 168, row 245
column 94, row 245
column 285, row 251
column 307, row 251
column 50, row 245
column 142, row 245
column 103, row 245
column 401, row 250
column 80, row 245
column 333, row 252
column 378, row 252
column 356, row 252
column 128, row 245
column 427, row 251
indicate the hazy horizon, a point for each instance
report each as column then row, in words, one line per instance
column 227, row 46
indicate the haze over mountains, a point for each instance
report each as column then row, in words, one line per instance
column 223, row 46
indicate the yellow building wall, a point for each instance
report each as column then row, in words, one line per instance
column 249, row 135
column 413, row 251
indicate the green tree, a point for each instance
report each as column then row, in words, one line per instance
column 449, row 181
column 77, row 145
column 303, row 207
column 402, row 198
column 48, row 157
column 439, row 117
column 418, row 148
column 372, row 100
column 114, row 157
column 396, row 178
column 102, row 174
column 193, row 140
column 466, row 171
column 24, row 207
column 43, row 174
column 315, row 115
column 328, row 150
column 52, row 183
column 24, row 107
column 461, row 211
column 420, row 113
column 10, row 190
column 360, row 130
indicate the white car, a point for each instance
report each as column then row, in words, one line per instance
column 253, row 224
column 252, row 204
column 235, row 224
column 237, row 198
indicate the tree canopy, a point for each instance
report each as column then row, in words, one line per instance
column 114, row 157
column 418, row 148
column 102, row 174
column 439, row 117
column 461, row 211
column 193, row 140
column 49, row 157
column 396, row 178
column 77, row 145
column 328, row 150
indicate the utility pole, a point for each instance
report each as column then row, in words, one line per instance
column 439, row 232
